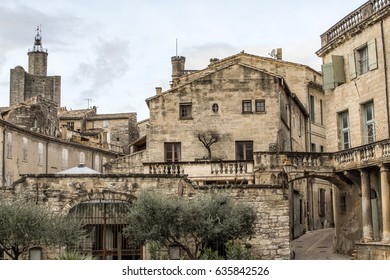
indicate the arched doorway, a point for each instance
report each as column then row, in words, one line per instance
column 104, row 221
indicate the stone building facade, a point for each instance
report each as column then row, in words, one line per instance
column 109, row 131
column 355, row 53
column 28, row 152
column 251, row 104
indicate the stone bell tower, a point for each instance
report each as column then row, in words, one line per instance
column 35, row 83
column 37, row 57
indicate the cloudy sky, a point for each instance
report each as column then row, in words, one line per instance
column 116, row 52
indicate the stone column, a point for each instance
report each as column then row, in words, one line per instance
column 385, row 196
column 366, row 205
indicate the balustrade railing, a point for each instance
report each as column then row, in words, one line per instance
column 237, row 167
column 166, row 168
column 298, row 159
column 199, row 168
column 372, row 152
column 353, row 19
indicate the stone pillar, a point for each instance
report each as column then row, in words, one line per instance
column 385, row 196
column 366, row 205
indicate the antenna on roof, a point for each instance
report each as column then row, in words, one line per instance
column 176, row 46
column 273, row 53
column 88, row 99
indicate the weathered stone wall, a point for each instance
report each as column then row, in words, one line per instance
column 24, row 86
column 372, row 252
column 37, row 63
column 36, row 114
column 62, row 192
column 17, row 83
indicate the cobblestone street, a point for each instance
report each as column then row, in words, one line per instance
column 316, row 245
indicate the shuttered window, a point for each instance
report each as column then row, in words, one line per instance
column 363, row 59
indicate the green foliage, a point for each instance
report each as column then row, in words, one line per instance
column 24, row 224
column 234, row 249
column 154, row 248
column 210, row 254
column 238, row 251
column 188, row 224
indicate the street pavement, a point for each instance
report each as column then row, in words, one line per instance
column 316, row 245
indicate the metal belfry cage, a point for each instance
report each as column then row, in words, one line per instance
column 104, row 221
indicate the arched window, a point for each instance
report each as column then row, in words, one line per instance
column 97, row 163
column 25, row 149
column 64, row 159
column 82, row 158
column 9, row 145
column 40, row 154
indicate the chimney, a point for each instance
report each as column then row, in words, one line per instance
column 213, row 60
column 178, row 63
column 158, row 90
column 279, row 53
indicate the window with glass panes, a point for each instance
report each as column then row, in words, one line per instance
column 185, row 111
column 260, row 105
column 345, row 130
column 244, row 150
column 247, row 106
column 363, row 60
column 369, row 122
column 172, row 152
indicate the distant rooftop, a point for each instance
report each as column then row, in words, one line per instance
column 80, row 169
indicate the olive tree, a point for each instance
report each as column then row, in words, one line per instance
column 190, row 224
column 207, row 138
column 24, row 224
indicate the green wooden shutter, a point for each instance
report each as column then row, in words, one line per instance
column 338, row 69
column 352, row 66
column 372, row 60
column 327, row 76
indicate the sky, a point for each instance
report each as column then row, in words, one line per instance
column 113, row 54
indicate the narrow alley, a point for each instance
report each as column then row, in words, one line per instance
column 317, row 245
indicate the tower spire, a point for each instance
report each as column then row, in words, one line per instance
column 38, row 41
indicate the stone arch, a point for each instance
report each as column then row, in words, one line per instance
column 108, row 195
column 334, row 179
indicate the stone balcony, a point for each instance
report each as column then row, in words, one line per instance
column 325, row 165
column 362, row 156
column 204, row 172
column 354, row 19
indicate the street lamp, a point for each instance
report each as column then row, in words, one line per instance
column 287, row 167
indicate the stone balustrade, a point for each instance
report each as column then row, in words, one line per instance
column 302, row 160
column 369, row 154
column 353, row 19
column 205, row 170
